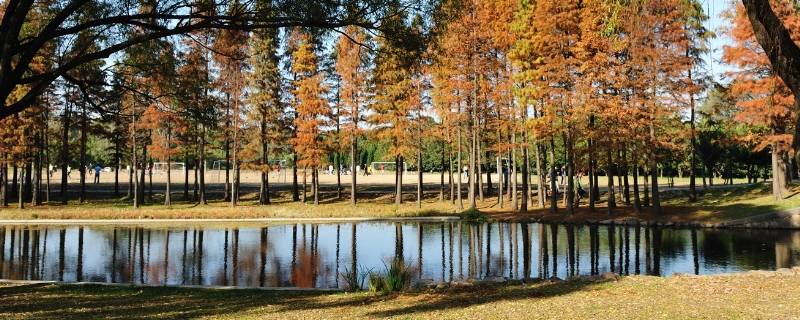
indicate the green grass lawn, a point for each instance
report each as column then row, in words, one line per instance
column 734, row 203
column 763, row 295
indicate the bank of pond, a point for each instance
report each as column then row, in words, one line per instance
column 320, row 255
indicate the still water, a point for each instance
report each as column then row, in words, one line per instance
column 314, row 255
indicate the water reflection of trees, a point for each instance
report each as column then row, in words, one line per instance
column 444, row 251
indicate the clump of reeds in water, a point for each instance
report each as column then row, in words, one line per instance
column 353, row 279
column 398, row 276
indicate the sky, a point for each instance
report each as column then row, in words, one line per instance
column 715, row 8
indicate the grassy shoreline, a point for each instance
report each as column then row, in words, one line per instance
column 713, row 206
column 745, row 295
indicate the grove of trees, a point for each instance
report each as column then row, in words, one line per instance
column 522, row 96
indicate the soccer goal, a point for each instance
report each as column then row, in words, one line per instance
column 219, row 165
column 278, row 170
column 159, row 167
column 381, row 167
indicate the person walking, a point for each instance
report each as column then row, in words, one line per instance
column 97, row 170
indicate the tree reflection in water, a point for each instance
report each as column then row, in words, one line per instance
column 313, row 255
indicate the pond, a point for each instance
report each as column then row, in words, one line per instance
column 316, row 255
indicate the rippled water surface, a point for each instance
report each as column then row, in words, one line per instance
column 314, row 255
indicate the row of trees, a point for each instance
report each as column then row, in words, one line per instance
column 523, row 89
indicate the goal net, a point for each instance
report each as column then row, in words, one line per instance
column 159, row 167
column 386, row 166
column 219, row 165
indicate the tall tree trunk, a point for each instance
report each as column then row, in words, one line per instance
column 646, row 187
column 15, row 179
column 65, row 152
column 419, row 173
column 150, row 178
column 514, row 202
column 479, row 170
column 82, row 156
column 202, row 165
column 693, row 145
column 656, row 209
column 570, row 173
column 20, row 193
column 47, row 159
column 626, row 187
column 541, row 185
column 3, row 181
column 525, row 178
column 186, row 176
column 227, row 190
column 168, row 191
column 441, row 179
column 471, row 170
column 500, row 178
column 458, row 162
column 592, row 172
column 130, row 178
column 450, row 181
column 315, row 184
column 338, row 166
column 227, row 146
column 36, row 182
column 27, row 183
column 525, row 163
column 553, row 186
column 779, row 183
column 133, row 173
column 263, row 197
column 142, row 175
column 637, row 205
column 305, row 173
column 354, row 168
column 489, row 186
column 117, row 164
column 610, row 174
column 295, row 189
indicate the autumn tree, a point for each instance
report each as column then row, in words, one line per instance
column 351, row 64
column 397, row 96
column 231, row 49
column 265, row 99
column 312, row 110
column 763, row 97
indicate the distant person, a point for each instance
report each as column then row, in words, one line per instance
column 581, row 193
column 383, row 169
column 97, row 170
column 69, row 171
column 505, row 176
column 466, row 172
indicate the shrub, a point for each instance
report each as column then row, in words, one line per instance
column 398, row 276
column 353, row 279
column 473, row 215
column 376, row 283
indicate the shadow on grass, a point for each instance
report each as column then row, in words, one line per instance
column 468, row 297
column 97, row 301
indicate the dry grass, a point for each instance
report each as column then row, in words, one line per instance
column 713, row 205
column 753, row 295
column 219, row 210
